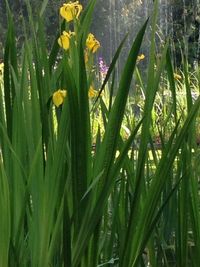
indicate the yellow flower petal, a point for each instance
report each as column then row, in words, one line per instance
column 71, row 10
column 63, row 93
column 140, row 57
column 58, row 97
column 64, row 40
column 177, row 76
column 92, row 43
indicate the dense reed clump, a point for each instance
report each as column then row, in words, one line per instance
column 84, row 180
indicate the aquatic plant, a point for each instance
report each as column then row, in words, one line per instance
column 69, row 197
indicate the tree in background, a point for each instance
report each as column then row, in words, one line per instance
column 186, row 28
column 19, row 11
column 113, row 19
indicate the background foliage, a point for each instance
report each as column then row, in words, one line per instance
column 114, row 18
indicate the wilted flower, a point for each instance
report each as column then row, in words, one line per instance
column 71, row 10
column 92, row 92
column 58, row 97
column 102, row 67
column 64, row 39
column 92, row 43
column 177, row 76
column 140, row 57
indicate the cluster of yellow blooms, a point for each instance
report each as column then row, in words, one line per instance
column 71, row 11
column 91, row 43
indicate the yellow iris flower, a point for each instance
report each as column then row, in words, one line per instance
column 58, row 97
column 71, row 10
column 140, row 57
column 64, row 39
column 92, row 43
column 177, row 76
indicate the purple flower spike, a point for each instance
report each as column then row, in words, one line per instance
column 103, row 68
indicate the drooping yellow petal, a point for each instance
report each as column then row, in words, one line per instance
column 95, row 47
column 92, row 43
column 71, row 10
column 58, row 97
column 64, row 40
